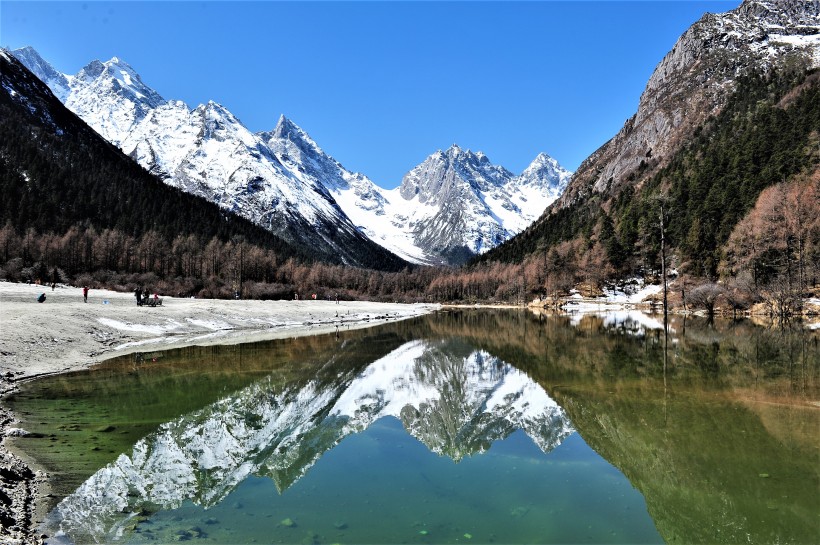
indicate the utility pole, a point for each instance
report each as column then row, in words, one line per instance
column 663, row 259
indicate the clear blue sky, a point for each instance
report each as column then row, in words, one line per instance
column 381, row 85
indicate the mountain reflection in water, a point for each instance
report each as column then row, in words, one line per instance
column 455, row 400
column 713, row 423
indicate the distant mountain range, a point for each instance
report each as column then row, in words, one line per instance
column 452, row 206
column 726, row 114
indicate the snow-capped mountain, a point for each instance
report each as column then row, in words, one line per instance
column 285, row 182
column 453, row 205
column 58, row 83
column 457, row 203
column 456, row 401
column 207, row 151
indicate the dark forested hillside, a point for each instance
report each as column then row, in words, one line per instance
column 56, row 172
column 767, row 134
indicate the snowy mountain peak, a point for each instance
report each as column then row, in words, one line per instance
column 288, row 130
column 544, row 170
column 454, row 204
column 543, row 159
column 57, row 82
column 120, row 77
column 285, row 127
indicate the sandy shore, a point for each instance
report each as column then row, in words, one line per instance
column 65, row 334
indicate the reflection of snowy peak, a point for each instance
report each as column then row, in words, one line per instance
column 456, row 402
column 452, row 206
column 456, row 405
column 209, row 152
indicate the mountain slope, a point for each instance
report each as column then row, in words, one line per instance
column 694, row 81
column 56, row 172
column 208, row 152
column 712, row 130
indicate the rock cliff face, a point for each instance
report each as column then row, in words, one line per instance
column 694, row 81
column 455, row 400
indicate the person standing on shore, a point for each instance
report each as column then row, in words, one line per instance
column 85, row 294
column 138, row 295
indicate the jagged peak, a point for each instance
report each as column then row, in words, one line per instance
column 285, row 128
column 544, row 161
column 41, row 68
column 457, row 152
column 796, row 11
column 26, row 50
column 123, row 74
column 91, row 70
column 215, row 110
column 543, row 158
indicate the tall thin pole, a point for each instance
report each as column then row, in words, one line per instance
column 663, row 261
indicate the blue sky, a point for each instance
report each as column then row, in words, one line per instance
column 381, row 85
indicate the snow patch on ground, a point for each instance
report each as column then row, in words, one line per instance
column 143, row 328
column 633, row 291
column 214, row 325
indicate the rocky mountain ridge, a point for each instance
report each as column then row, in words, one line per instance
column 694, row 81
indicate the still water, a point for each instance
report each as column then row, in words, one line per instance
column 458, row 427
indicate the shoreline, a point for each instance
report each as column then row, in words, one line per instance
column 65, row 334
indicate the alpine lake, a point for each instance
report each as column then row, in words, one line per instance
column 463, row 426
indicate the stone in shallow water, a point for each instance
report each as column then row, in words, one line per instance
column 288, row 523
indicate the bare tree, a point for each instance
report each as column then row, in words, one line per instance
column 706, row 296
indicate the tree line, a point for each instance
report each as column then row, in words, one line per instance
column 190, row 265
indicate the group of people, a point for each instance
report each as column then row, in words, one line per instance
column 142, row 296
